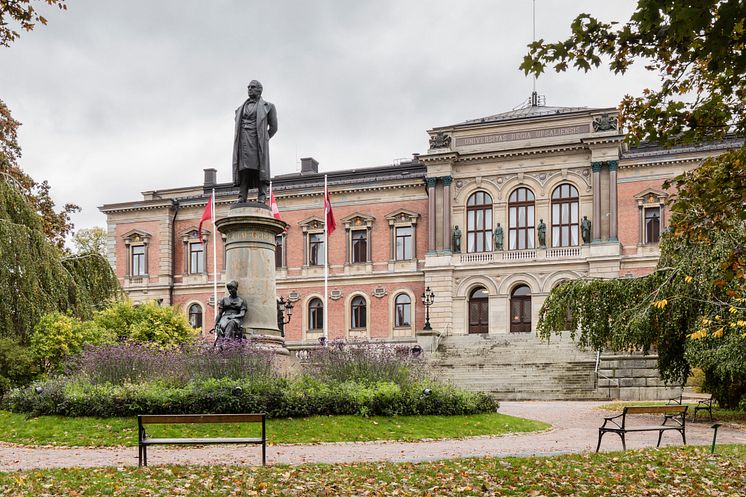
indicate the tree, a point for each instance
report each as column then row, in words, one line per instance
column 692, row 309
column 90, row 240
column 56, row 224
column 22, row 13
column 697, row 48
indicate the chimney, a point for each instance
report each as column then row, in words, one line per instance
column 211, row 177
column 309, row 165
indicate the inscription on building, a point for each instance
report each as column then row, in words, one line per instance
column 529, row 134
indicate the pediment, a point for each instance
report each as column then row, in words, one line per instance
column 192, row 232
column 651, row 196
column 312, row 223
column 402, row 216
column 137, row 235
column 357, row 219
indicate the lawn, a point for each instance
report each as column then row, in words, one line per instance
column 670, row 472
column 67, row 431
column 718, row 413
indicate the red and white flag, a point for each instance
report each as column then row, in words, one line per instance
column 206, row 216
column 331, row 224
column 273, row 204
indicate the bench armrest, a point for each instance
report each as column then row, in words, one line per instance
column 611, row 419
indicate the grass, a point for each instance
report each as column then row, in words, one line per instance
column 66, row 431
column 670, row 472
column 718, row 413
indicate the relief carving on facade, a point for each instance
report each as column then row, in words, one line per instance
column 440, row 140
column 605, row 123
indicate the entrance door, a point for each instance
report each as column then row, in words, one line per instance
column 520, row 310
column 479, row 311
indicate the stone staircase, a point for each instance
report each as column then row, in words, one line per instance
column 518, row 367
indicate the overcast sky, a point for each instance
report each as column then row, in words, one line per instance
column 120, row 97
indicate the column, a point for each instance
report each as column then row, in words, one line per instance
column 596, row 221
column 431, row 214
column 447, row 213
column 613, row 166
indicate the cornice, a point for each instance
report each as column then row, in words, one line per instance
column 624, row 164
column 522, row 152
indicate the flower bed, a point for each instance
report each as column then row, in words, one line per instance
column 125, row 380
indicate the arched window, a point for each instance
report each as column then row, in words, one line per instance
column 479, row 311
column 520, row 309
column 479, row 222
column 358, row 316
column 195, row 315
column 402, row 311
column 565, row 218
column 315, row 315
column 521, row 220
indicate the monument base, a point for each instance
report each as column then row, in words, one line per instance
column 250, row 231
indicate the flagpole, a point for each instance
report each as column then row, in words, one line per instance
column 214, row 258
column 326, row 262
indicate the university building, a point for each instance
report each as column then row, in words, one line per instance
column 492, row 216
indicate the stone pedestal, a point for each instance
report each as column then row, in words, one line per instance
column 250, row 232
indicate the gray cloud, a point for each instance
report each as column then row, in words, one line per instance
column 119, row 97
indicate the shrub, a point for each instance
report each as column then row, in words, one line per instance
column 148, row 322
column 137, row 363
column 278, row 397
column 57, row 336
column 17, row 365
column 366, row 362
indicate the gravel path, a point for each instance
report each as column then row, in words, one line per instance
column 575, row 429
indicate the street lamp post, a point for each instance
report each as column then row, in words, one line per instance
column 284, row 313
column 427, row 298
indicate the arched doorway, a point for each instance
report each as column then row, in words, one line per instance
column 520, row 309
column 479, row 311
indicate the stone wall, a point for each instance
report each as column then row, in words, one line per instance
column 634, row 377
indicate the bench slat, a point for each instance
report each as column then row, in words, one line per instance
column 646, row 428
column 199, row 441
column 152, row 419
column 655, row 409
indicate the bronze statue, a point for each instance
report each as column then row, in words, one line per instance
column 231, row 311
column 256, row 123
column 456, row 240
column 542, row 233
column 499, row 237
column 585, row 228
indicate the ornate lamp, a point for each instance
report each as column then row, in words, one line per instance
column 284, row 313
column 427, row 298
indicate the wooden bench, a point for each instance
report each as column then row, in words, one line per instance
column 161, row 419
column 676, row 415
column 704, row 402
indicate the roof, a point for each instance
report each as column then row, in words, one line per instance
column 526, row 112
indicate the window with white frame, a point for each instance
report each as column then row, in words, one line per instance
column 521, row 219
column 315, row 315
column 479, row 222
column 136, row 243
column 402, row 311
column 196, row 258
column 358, row 313
column 403, row 224
column 565, row 216
column 651, row 203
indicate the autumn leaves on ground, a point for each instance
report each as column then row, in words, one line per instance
column 673, row 472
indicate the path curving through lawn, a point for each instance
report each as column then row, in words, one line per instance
column 575, row 429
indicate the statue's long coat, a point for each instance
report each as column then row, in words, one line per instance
column 266, row 127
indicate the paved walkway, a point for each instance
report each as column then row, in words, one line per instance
column 575, row 429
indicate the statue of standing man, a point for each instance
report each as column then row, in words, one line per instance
column 256, row 123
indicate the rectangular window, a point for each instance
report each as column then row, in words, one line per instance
column 652, row 224
column 404, row 243
column 138, row 260
column 279, row 243
column 359, row 246
column 316, row 249
column 196, row 258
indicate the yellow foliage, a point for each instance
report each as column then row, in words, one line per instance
column 688, row 279
column 718, row 333
column 660, row 304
